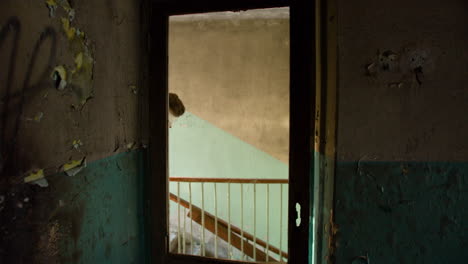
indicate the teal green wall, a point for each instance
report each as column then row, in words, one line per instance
column 199, row 149
column 402, row 212
column 102, row 220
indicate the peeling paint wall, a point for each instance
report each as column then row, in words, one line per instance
column 33, row 44
column 71, row 100
column 402, row 152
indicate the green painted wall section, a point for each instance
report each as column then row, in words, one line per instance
column 101, row 219
column 402, row 212
column 199, row 149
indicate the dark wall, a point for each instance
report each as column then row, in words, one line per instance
column 101, row 109
column 94, row 216
column 403, row 80
column 402, row 152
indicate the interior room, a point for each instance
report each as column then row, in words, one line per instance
column 236, row 131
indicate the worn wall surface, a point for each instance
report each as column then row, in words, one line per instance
column 232, row 69
column 94, row 216
column 32, row 45
column 402, row 175
column 410, row 104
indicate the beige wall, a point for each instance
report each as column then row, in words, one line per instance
column 234, row 72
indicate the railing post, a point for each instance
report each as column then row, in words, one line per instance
column 242, row 219
column 268, row 222
column 191, row 219
column 203, row 219
column 216, row 221
column 178, row 217
column 229, row 221
column 255, row 222
column 281, row 223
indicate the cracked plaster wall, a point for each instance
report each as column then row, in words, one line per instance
column 402, row 152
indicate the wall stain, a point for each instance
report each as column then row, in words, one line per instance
column 401, row 68
column 108, row 250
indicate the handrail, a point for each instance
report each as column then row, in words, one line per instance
column 229, row 180
column 234, row 229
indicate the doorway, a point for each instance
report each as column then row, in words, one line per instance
column 301, row 108
column 229, row 134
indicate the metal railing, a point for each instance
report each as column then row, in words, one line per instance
column 250, row 246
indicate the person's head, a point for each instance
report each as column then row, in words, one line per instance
column 176, row 107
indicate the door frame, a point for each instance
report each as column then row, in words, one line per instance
column 302, row 125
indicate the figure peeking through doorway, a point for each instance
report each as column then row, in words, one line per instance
column 176, row 108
